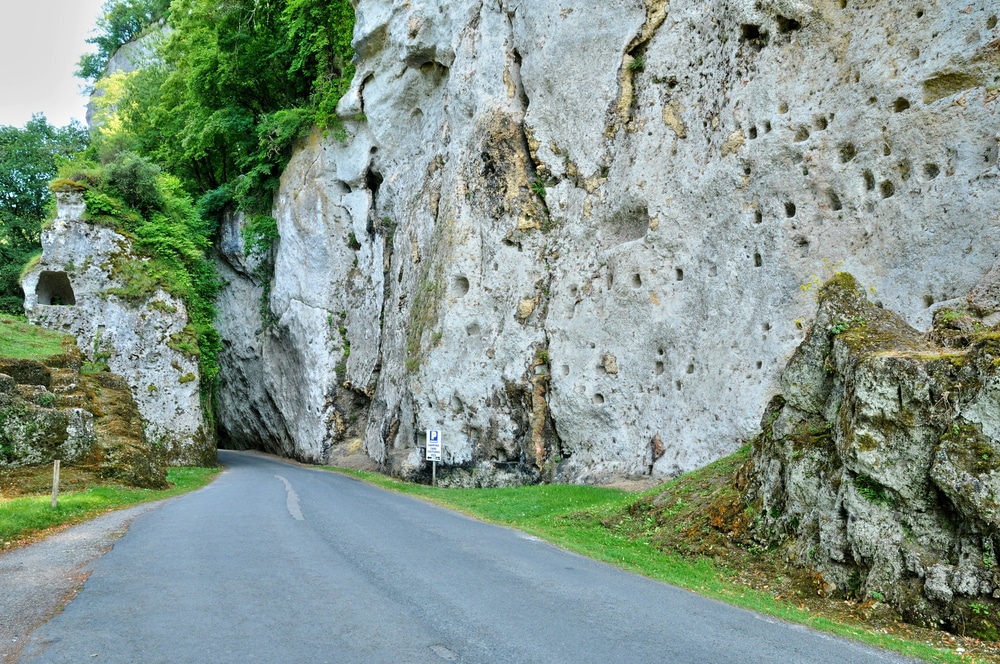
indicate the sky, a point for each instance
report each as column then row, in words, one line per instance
column 40, row 44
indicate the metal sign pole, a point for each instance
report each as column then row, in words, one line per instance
column 433, row 453
column 434, row 472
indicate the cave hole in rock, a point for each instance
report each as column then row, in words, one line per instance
column 746, row 169
column 759, row 364
column 900, row 105
column 54, row 288
column 931, row 171
column 713, row 271
column 659, row 351
column 460, row 286
column 753, row 35
column 843, row 4
column 873, row 100
column 598, row 399
column 678, row 384
column 789, row 209
column 928, row 301
column 783, row 107
column 786, row 24
column 680, row 274
column 373, row 180
column 757, row 260
column 766, row 327
column 869, row 180
column 821, row 122
column 801, row 134
column 835, row 203
column 920, row 13
column 473, row 329
column 758, row 217
column 767, row 126
column 636, row 280
column 886, row 149
column 658, row 369
column 690, row 369
column 848, row 152
column 887, row 188
column 565, row 369
column 991, row 22
column 752, row 132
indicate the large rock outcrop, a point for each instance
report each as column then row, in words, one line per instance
column 50, row 409
column 572, row 236
column 879, row 466
column 80, row 286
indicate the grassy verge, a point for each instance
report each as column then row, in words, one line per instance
column 603, row 524
column 25, row 519
column 22, row 341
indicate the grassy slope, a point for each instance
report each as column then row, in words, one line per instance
column 604, row 524
column 22, row 341
column 25, row 519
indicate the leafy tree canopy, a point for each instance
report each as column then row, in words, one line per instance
column 120, row 22
column 28, row 161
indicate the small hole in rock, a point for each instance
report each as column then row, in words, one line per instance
column 766, row 327
column 690, row 369
column 659, row 368
column 928, row 301
column 789, row 209
column 678, row 383
column 991, row 22
column 767, row 126
column 835, row 203
column 843, row 4
column 680, row 274
column 821, row 122
column 752, row 132
column 598, row 399
column 848, row 152
column 759, row 364
column 786, row 24
column 920, row 13
column 565, row 369
column 746, row 169
column 757, row 260
column 473, row 330
column 900, row 105
column 783, row 108
column 801, row 134
column 869, row 180
column 636, row 281
column 886, row 149
column 460, row 286
column 713, row 271
column 887, row 188
column 758, row 217
column 931, row 171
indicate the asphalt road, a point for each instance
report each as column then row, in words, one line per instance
column 279, row 563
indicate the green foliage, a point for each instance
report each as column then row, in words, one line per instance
column 27, row 163
column 873, row 491
column 236, row 85
column 259, row 233
column 138, row 199
column 120, row 22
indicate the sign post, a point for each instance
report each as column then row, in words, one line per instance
column 433, row 453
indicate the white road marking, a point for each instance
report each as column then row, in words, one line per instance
column 292, row 500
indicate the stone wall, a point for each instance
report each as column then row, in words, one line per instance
column 562, row 233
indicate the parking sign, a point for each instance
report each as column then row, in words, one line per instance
column 434, row 446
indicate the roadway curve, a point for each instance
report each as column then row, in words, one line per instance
column 275, row 562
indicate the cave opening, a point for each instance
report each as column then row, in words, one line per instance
column 54, row 288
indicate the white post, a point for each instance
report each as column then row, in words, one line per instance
column 55, row 484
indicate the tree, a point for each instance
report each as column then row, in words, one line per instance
column 120, row 22
column 28, row 159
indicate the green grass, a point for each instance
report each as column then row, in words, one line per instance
column 20, row 340
column 571, row 516
column 23, row 518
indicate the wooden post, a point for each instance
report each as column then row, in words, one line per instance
column 55, row 484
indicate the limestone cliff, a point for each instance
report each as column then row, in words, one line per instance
column 571, row 236
column 879, row 466
column 79, row 286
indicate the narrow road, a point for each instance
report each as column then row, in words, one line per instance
column 278, row 563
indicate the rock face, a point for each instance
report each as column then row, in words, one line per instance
column 572, row 238
column 50, row 410
column 879, row 466
column 78, row 287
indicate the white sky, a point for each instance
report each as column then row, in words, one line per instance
column 40, row 44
